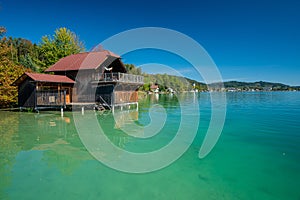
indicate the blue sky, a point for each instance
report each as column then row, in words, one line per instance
column 249, row 40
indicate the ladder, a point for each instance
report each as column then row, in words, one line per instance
column 102, row 105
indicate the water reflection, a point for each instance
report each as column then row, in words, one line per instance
column 37, row 147
column 50, row 143
column 52, row 140
column 125, row 117
column 42, row 157
column 167, row 101
column 8, row 148
column 47, row 133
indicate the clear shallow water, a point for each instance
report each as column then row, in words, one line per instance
column 256, row 157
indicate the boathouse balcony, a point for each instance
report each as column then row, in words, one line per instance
column 118, row 77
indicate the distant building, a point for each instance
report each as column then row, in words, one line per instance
column 231, row 89
column 154, row 88
column 267, row 88
column 170, row 90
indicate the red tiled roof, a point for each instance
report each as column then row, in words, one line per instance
column 49, row 78
column 87, row 60
column 153, row 86
column 43, row 78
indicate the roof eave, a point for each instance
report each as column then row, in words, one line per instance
column 41, row 81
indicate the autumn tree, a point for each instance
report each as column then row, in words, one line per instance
column 9, row 72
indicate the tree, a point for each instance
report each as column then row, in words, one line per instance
column 22, row 52
column 28, row 62
column 131, row 69
column 2, row 31
column 63, row 43
column 9, row 72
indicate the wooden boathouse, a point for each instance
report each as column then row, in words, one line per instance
column 90, row 78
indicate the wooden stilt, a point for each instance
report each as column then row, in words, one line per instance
column 113, row 109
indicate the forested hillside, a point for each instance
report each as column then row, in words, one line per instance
column 18, row 55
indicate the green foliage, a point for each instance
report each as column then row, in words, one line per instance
column 146, row 87
column 164, row 81
column 131, row 69
column 51, row 49
column 22, row 52
column 27, row 61
column 198, row 85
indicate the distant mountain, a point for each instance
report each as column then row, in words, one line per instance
column 261, row 84
column 165, row 81
column 180, row 84
column 255, row 86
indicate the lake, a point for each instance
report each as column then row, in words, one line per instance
column 257, row 156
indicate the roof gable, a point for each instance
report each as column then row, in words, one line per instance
column 87, row 60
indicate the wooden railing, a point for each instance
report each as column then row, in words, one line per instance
column 50, row 98
column 125, row 97
column 122, row 77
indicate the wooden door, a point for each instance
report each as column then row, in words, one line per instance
column 68, row 94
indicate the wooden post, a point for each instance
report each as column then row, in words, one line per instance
column 112, row 101
column 113, row 109
column 62, row 112
column 35, row 97
column 65, row 94
column 82, row 110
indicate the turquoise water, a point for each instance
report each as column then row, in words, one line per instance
column 256, row 157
